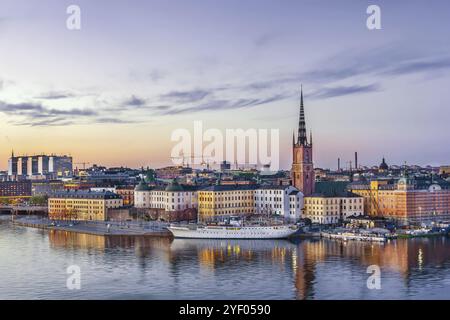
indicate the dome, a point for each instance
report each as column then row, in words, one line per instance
column 383, row 165
column 174, row 187
column 142, row 186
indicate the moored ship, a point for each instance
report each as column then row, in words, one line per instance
column 233, row 230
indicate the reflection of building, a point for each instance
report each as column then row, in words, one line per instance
column 82, row 205
column 219, row 201
column 40, row 165
column 403, row 201
column 302, row 173
column 285, row 201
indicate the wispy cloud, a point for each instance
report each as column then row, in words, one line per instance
column 56, row 95
column 186, row 96
column 331, row 92
column 224, row 104
column 35, row 114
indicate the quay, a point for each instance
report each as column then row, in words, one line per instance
column 103, row 228
column 354, row 236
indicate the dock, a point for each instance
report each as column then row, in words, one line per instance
column 131, row 228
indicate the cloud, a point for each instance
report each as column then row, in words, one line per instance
column 353, row 66
column 55, row 95
column 264, row 39
column 186, row 96
column 331, row 92
column 114, row 121
column 408, row 67
column 224, row 104
column 135, row 102
column 35, row 114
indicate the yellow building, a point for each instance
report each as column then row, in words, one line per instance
column 404, row 200
column 332, row 209
column 82, row 205
column 219, row 201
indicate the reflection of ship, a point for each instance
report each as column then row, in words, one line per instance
column 216, row 244
column 232, row 232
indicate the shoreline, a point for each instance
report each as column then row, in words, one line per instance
column 93, row 229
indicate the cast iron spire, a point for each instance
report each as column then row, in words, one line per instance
column 302, row 139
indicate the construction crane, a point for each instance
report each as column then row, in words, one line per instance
column 192, row 157
column 84, row 164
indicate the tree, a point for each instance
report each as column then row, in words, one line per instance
column 39, row 200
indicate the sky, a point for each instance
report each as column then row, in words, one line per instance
column 112, row 92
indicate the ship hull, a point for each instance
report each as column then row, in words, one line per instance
column 265, row 232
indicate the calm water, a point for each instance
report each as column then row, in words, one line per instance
column 33, row 266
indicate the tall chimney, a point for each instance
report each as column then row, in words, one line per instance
column 356, row 160
column 339, row 164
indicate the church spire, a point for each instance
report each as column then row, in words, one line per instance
column 302, row 138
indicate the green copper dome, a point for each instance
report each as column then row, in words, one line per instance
column 142, row 186
column 174, row 186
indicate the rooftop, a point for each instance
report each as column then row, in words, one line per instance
column 84, row 194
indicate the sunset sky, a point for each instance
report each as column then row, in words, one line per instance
column 112, row 92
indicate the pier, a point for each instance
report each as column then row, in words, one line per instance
column 113, row 228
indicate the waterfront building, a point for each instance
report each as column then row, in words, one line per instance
column 332, row 203
column 302, row 173
column 45, row 188
column 82, row 205
column 286, row 201
column 219, row 201
column 15, row 189
column 405, row 200
column 173, row 197
column 51, row 166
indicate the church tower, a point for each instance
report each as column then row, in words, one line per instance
column 302, row 173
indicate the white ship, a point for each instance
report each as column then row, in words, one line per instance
column 232, row 231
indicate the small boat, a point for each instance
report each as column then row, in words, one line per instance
column 345, row 236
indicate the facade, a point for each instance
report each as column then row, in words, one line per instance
column 15, row 189
column 286, row 201
column 404, row 201
column 82, row 205
column 45, row 188
column 220, row 201
column 332, row 209
column 302, row 173
column 172, row 198
column 127, row 194
column 39, row 165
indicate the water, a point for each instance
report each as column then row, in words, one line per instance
column 33, row 265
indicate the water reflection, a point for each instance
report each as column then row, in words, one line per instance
column 248, row 269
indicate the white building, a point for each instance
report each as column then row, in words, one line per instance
column 286, row 201
column 172, row 198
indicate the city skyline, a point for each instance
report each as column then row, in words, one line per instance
column 116, row 103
